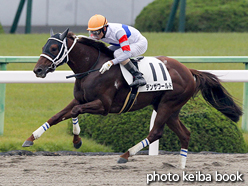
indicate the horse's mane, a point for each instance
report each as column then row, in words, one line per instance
column 90, row 42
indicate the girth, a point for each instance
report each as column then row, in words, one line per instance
column 132, row 95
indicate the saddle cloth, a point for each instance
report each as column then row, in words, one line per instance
column 155, row 73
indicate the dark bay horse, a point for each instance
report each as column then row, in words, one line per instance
column 97, row 93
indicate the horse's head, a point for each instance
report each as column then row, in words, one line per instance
column 54, row 53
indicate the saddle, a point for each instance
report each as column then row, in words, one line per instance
column 154, row 72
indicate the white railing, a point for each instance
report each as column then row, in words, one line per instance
column 60, row 76
column 29, row 77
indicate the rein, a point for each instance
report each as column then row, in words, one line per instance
column 84, row 74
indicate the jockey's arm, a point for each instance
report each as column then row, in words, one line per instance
column 124, row 44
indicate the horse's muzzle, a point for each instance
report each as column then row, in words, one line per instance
column 40, row 72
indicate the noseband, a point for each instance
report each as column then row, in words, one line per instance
column 63, row 55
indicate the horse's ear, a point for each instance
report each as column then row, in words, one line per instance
column 64, row 34
column 51, row 32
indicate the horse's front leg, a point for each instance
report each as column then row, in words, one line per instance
column 94, row 107
column 62, row 115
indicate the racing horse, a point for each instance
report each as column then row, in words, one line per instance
column 97, row 93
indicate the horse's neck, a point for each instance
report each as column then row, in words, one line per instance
column 83, row 58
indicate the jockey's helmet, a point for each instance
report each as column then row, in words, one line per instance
column 97, row 22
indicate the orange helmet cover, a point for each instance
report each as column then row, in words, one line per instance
column 97, row 22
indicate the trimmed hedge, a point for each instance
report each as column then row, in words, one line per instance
column 210, row 130
column 1, row 29
column 201, row 16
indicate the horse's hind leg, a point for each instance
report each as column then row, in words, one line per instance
column 155, row 133
column 183, row 134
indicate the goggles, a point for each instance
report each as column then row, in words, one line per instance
column 96, row 32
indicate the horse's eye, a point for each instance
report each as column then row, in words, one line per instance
column 54, row 49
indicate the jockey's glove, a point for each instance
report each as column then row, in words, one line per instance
column 106, row 66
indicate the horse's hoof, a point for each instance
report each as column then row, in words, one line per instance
column 78, row 145
column 27, row 144
column 122, row 160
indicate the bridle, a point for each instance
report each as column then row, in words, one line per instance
column 63, row 55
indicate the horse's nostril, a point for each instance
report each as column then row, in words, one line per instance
column 38, row 70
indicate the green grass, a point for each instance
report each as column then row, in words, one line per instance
column 28, row 106
column 197, row 44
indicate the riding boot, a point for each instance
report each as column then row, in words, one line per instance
column 138, row 78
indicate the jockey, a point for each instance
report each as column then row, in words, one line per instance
column 124, row 40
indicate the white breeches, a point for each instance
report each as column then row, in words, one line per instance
column 137, row 48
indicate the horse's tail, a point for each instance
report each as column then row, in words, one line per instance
column 216, row 95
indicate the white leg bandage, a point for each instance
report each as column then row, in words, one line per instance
column 183, row 158
column 138, row 147
column 41, row 130
column 76, row 128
